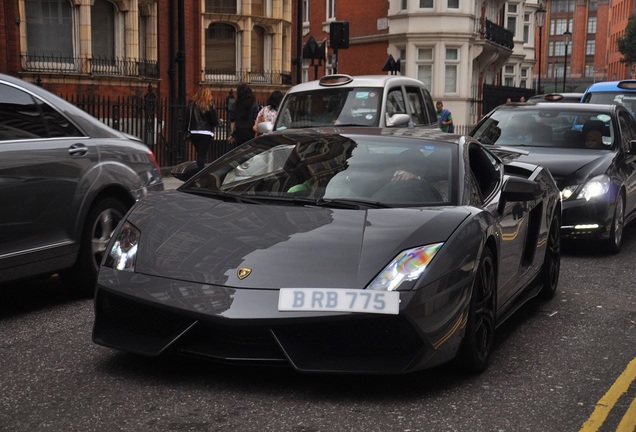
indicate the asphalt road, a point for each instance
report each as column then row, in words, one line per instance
column 552, row 365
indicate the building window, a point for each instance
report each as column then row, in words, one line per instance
column 331, row 10
column 511, row 18
column 589, row 70
column 451, row 70
column 425, row 66
column 509, row 75
column 306, row 12
column 453, row 4
column 103, row 32
column 402, row 61
column 258, row 50
column 590, row 46
column 221, row 6
column 427, row 4
column 591, row 25
column 220, row 49
column 49, row 30
column 556, row 48
column 559, row 26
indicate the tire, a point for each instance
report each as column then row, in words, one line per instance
column 618, row 223
column 474, row 353
column 549, row 276
column 98, row 229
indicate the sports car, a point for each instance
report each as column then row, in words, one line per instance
column 344, row 250
column 596, row 178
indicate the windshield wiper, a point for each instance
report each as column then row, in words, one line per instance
column 225, row 196
column 349, row 203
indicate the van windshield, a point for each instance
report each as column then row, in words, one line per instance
column 357, row 106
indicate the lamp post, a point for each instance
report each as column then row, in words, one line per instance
column 567, row 37
column 540, row 18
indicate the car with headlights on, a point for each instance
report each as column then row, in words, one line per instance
column 366, row 100
column 596, row 182
column 66, row 180
column 341, row 250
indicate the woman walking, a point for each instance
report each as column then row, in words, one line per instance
column 269, row 111
column 202, row 119
column 243, row 116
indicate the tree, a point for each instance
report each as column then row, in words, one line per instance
column 627, row 43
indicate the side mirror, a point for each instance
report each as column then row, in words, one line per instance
column 397, row 120
column 520, row 189
column 265, row 127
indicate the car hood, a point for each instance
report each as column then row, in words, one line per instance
column 569, row 165
column 199, row 239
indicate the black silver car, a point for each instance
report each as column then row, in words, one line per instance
column 353, row 250
column 597, row 179
column 66, row 180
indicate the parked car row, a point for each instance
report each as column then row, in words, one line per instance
column 352, row 237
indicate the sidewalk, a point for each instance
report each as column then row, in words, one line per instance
column 169, row 182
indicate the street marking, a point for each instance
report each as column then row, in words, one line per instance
column 607, row 402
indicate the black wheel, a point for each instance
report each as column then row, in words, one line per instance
column 549, row 276
column 618, row 223
column 98, row 229
column 474, row 354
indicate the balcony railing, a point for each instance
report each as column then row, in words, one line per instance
column 90, row 66
column 245, row 76
column 499, row 35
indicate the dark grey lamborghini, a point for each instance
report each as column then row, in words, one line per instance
column 334, row 250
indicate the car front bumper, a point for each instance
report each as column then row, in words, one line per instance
column 586, row 220
column 150, row 316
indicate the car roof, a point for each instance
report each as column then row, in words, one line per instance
column 612, row 86
column 551, row 106
column 557, row 97
column 347, row 81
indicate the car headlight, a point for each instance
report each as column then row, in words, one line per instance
column 123, row 253
column 407, row 266
column 597, row 186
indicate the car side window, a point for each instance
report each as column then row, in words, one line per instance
column 19, row 115
column 628, row 130
column 395, row 102
column 416, row 102
column 24, row 117
column 486, row 169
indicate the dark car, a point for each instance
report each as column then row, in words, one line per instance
column 335, row 250
column 66, row 180
column 597, row 184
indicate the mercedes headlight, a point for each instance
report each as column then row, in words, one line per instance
column 595, row 187
column 123, row 253
column 407, row 266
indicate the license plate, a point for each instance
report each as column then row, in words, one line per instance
column 339, row 300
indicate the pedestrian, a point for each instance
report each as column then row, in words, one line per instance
column 243, row 116
column 269, row 111
column 444, row 118
column 202, row 119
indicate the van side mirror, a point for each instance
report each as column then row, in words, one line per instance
column 397, row 120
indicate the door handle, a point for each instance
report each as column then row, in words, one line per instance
column 77, row 150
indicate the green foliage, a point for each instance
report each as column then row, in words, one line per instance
column 627, row 43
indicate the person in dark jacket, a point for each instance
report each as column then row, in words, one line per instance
column 202, row 119
column 243, row 116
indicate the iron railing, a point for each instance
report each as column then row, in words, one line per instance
column 92, row 66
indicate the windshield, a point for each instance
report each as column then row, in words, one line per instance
column 371, row 171
column 547, row 128
column 620, row 97
column 325, row 107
